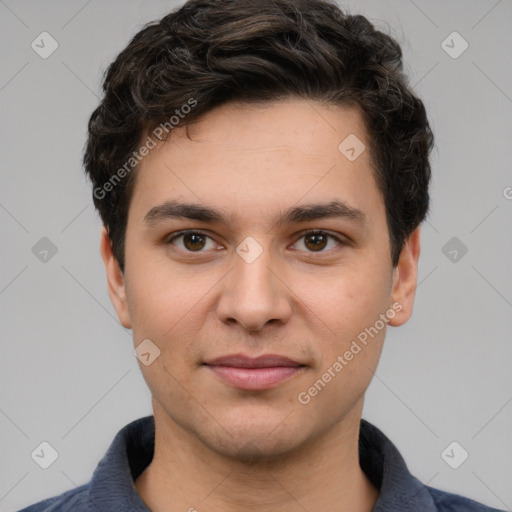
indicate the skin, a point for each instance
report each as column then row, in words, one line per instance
column 219, row 448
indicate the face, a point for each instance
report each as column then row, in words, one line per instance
column 289, row 257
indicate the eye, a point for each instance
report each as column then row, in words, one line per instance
column 192, row 241
column 317, row 241
column 196, row 241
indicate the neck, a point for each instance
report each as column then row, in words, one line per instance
column 186, row 475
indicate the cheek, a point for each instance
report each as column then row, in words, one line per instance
column 163, row 310
column 347, row 358
column 348, row 300
column 168, row 307
column 160, row 298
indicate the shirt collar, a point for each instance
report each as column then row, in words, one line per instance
column 386, row 469
column 112, row 485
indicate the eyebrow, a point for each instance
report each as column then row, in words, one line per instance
column 304, row 213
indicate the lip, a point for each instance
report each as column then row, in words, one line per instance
column 254, row 373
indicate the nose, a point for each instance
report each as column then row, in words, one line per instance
column 254, row 293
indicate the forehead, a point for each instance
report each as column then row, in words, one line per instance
column 255, row 161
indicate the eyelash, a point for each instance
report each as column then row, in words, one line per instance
column 304, row 234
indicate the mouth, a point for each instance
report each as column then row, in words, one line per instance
column 263, row 372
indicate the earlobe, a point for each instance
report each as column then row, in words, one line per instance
column 405, row 278
column 115, row 280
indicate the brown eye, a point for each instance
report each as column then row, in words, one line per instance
column 315, row 241
column 191, row 241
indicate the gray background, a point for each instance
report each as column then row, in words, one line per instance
column 67, row 371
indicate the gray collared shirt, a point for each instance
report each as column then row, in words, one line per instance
column 112, row 489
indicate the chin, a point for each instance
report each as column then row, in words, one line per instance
column 258, row 443
column 256, row 452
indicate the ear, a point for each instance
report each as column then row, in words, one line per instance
column 405, row 277
column 115, row 280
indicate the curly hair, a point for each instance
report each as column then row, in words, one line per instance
column 209, row 52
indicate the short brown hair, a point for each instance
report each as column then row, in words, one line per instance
column 209, row 52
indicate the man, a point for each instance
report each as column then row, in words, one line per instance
column 261, row 170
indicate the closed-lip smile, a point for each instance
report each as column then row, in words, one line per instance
column 254, row 373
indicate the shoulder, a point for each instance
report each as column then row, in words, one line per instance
column 73, row 500
column 398, row 488
column 449, row 502
column 112, row 484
